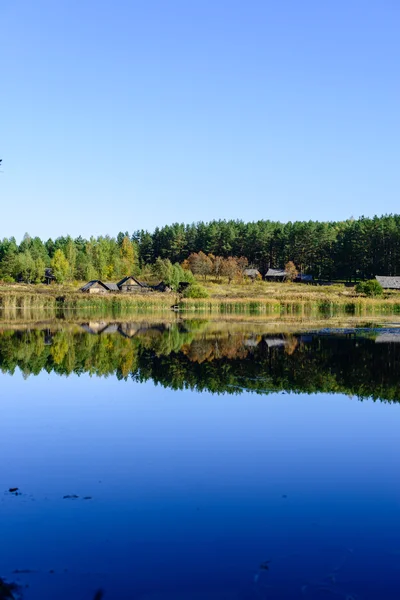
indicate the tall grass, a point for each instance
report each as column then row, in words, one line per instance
column 288, row 300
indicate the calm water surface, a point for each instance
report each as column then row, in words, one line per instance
column 284, row 484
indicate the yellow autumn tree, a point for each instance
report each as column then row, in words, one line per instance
column 127, row 255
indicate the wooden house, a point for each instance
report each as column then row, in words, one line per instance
column 301, row 278
column 389, row 283
column 275, row 275
column 281, row 275
column 99, row 287
column 252, row 274
column 48, row 276
column 163, row 287
column 133, row 286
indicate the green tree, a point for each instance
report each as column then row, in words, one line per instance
column 371, row 288
column 70, row 252
column 127, row 256
column 60, row 266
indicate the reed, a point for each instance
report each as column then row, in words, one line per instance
column 254, row 299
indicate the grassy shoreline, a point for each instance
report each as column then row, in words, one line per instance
column 259, row 298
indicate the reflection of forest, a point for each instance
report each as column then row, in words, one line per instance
column 179, row 356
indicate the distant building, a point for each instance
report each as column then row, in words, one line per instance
column 99, row 287
column 48, row 276
column 132, row 285
column 275, row 275
column 161, row 287
column 389, row 283
column 252, row 274
column 281, row 275
column 301, row 278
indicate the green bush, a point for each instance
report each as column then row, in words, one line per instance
column 371, row 288
column 195, row 291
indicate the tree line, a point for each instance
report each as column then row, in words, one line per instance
column 348, row 250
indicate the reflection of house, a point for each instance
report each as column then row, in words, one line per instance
column 389, row 283
column 274, row 342
column 275, row 275
column 252, row 274
column 132, row 285
column 99, row 287
column 388, row 338
column 94, row 327
column 251, row 342
column 128, row 329
column 111, row 328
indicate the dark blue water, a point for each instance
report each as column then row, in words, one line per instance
column 191, row 493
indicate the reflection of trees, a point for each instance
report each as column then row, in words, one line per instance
column 177, row 358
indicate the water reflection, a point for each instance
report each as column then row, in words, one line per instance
column 220, row 358
column 112, row 483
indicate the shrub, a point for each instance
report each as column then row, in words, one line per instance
column 371, row 288
column 195, row 291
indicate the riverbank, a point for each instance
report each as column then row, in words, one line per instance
column 261, row 298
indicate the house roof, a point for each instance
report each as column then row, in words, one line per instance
column 251, row 272
column 391, row 283
column 92, row 283
column 388, row 338
column 125, row 279
column 276, row 273
column 113, row 287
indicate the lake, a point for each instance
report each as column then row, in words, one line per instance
column 200, row 460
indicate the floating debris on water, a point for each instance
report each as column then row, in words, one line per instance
column 12, row 490
column 88, row 498
column 70, row 496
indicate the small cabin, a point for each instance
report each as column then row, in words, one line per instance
column 301, row 278
column 95, row 287
column 252, row 274
column 389, row 283
column 48, row 276
column 131, row 285
column 162, row 287
column 275, row 275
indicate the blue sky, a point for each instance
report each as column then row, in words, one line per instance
column 133, row 114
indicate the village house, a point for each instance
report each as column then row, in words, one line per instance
column 129, row 285
column 252, row 274
column 388, row 283
column 48, row 276
column 275, row 275
column 99, row 287
column 132, row 285
column 281, row 275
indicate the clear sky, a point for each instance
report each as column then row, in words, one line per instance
column 131, row 114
